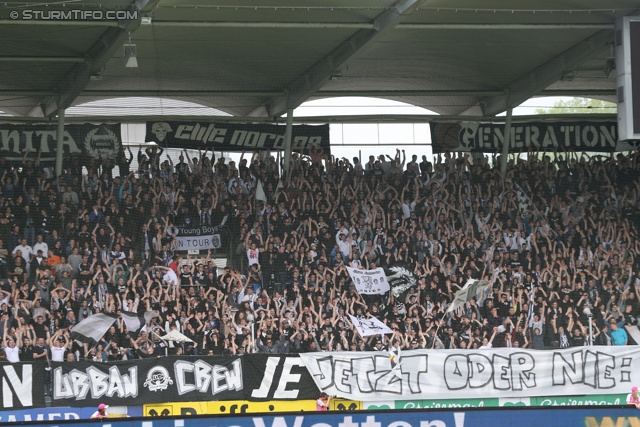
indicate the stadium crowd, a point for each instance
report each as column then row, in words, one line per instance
column 552, row 237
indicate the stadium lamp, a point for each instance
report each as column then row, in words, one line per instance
column 610, row 68
column 587, row 312
column 130, row 54
column 130, row 58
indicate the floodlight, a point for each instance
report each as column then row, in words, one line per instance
column 130, row 57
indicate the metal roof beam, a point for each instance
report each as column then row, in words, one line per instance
column 40, row 59
column 75, row 81
column 542, row 77
column 312, row 80
column 344, row 119
column 372, row 26
column 323, row 25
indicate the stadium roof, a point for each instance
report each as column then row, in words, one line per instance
column 260, row 57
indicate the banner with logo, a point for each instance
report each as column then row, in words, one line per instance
column 565, row 135
column 99, row 141
column 500, row 372
column 306, row 139
column 181, row 379
column 198, row 238
column 369, row 326
column 22, row 384
column 369, row 282
column 401, row 279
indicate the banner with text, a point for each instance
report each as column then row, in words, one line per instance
column 187, row 379
column 599, row 136
column 22, row 385
column 94, row 140
column 198, row 238
column 419, row 374
column 306, row 139
column 369, row 282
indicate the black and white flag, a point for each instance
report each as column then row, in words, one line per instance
column 136, row 323
column 93, row 327
column 524, row 201
column 400, row 279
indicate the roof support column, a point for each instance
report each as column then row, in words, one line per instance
column 287, row 145
column 60, row 142
column 506, row 142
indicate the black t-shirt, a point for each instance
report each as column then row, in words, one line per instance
column 185, row 279
column 37, row 350
column 200, row 277
column 26, row 354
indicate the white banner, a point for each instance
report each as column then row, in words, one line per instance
column 371, row 326
column 499, row 373
column 197, row 243
column 369, row 282
column 197, row 238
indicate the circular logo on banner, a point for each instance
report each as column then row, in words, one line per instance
column 158, row 379
column 446, row 136
column 101, row 143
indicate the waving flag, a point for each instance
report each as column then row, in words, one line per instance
column 136, row 323
column 470, row 290
column 176, row 336
column 370, row 326
column 401, row 279
column 92, row 328
column 260, row 194
column 369, row 282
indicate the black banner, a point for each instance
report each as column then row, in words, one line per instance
column 305, row 139
column 94, row 140
column 22, row 385
column 182, row 379
column 598, row 136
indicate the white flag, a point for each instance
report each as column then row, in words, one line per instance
column 369, row 282
column 370, row 326
column 176, row 336
column 470, row 290
column 260, row 194
column 93, row 327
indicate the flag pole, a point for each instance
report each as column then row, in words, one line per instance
column 437, row 329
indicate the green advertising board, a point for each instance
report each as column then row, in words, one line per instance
column 591, row 400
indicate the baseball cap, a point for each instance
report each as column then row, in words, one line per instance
column 102, row 406
column 634, row 388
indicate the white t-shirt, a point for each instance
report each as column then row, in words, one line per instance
column 13, row 354
column 57, row 354
column 252, row 255
column 171, row 277
column 26, row 252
